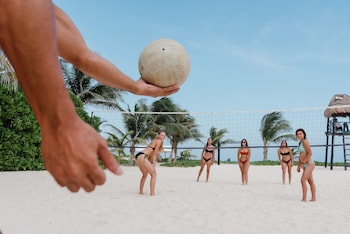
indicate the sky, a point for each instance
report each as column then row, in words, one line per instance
column 245, row 55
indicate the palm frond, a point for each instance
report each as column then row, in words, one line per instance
column 7, row 74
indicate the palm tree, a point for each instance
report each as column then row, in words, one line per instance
column 7, row 74
column 89, row 90
column 217, row 135
column 274, row 128
column 178, row 126
column 183, row 128
column 139, row 124
column 118, row 141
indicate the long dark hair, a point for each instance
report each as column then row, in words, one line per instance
column 301, row 130
column 208, row 141
column 284, row 142
column 246, row 142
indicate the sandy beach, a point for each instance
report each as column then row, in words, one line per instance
column 31, row 202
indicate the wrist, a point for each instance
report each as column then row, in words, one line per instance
column 56, row 123
column 55, row 112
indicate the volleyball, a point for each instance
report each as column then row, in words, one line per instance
column 164, row 62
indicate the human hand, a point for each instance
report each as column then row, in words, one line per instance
column 298, row 169
column 151, row 90
column 71, row 151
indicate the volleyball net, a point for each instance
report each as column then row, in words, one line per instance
column 246, row 124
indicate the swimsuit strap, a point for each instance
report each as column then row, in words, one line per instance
column 148, row 146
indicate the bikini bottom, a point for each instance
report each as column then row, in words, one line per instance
column 286, row 162
column 243, row 162
column 206, row 159
column 306, row 165
column 138, row 154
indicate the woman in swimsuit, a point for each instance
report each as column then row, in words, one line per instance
column 285, row 156
column 146, row 161
column 306, row 163
column 243, row 158
column 208, row 158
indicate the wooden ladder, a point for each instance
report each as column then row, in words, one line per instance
column 346, row 150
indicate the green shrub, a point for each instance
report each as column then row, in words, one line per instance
column 20, row 136
column 19, row 133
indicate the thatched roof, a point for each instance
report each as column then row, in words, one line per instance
column 338, row 106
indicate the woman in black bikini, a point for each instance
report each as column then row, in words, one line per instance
column 208, row 158
column 285, row 156
column 146, row 161
column 243, row 158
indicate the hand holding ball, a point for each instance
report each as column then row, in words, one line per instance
column 164, row 62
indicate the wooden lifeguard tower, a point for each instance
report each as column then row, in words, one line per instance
column 338, row 121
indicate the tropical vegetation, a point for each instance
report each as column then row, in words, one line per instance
column 274, row 128
column 20, row 132
column 90, row 91
column 179, row 127
column 7, row 74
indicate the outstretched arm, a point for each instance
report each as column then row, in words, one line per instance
column 73, row 48
column 70, row 147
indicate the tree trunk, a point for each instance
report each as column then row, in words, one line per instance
column 174, row 149
column 170, row 156
column 265, row 152
column 159, row 158
column 132, row 156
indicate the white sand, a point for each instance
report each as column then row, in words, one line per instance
column 31, row 202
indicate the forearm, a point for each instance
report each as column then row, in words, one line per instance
column 73, row 48
column 299, row 162
column 107, row 73
column 33, row 55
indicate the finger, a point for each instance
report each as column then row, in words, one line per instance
column 171, row 89
column 83, row 181
column 95, row 177
column 108, row 160
column 57, row 175
column 73, row 187
column 60, row 182
column 89, row 184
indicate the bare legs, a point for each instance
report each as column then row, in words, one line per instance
column 284, row 169
column 284, row 172
column 290, row 172
column 307, row 177
column 244, row 172
column 147, row 168
column 203, row 163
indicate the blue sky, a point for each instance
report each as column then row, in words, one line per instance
column 245, row 55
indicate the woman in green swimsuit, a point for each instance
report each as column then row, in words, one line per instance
column 306, row 163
